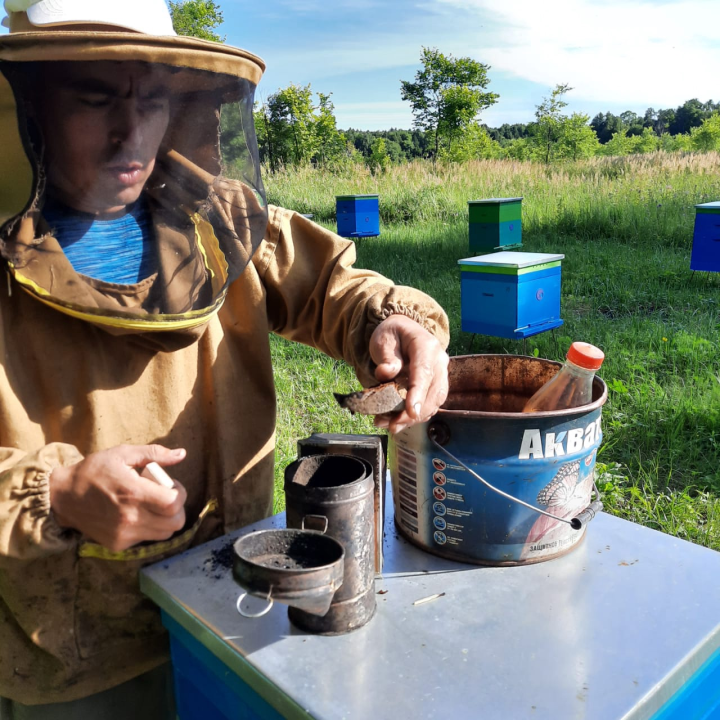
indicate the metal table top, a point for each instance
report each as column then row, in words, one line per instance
column 610, row 630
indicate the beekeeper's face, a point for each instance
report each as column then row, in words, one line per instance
column 102, row 124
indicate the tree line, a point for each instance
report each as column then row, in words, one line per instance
column 448, row 95
column 294, row 129
column 678, row 121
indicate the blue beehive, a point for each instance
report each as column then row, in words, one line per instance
column 510, row 294
column 706, row 239
column 495, row 223
column 358, row 215
column 205, row 687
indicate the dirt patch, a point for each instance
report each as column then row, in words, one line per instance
column 220, row 561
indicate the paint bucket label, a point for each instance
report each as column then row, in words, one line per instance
column 547, row 462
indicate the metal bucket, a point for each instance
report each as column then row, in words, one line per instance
column 485, row 483
column 337, row 491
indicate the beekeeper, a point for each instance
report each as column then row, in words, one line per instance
column 141, row 286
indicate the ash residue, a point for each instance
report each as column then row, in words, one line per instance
column 220, row 560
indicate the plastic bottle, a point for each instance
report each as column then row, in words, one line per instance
column 572, row 385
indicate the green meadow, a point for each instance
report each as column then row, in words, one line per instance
column 625, row 226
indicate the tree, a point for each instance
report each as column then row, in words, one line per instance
column 379, row 160
column 197, row 18
column 401, row 145
column 509, row 132
column 605, row 126
column 707, row 137
column 689, row 115
column 293, row 131
column 519, row 149
column 665, row 119
column 646, row 142
column 475, row 144
column 331, row 144
column 290, row 125
column 632, row 122
column 448, row 94
column 619, row 144
column 650, row 118
column 577, row 139
column 675, row 143
column 395, row 151
column 549, row 122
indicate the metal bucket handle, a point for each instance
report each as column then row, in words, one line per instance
column 264, row 611
column 438, row 433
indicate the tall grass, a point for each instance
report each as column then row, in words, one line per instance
column 642, row 197
column 625, row 226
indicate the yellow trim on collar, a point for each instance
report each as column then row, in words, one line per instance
column 147, row 552
column 213, row 256
column 214, row 261
column 185, row 323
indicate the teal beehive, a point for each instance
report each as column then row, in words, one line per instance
column 495, row 223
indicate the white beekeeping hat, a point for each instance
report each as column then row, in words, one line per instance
column 145, row 16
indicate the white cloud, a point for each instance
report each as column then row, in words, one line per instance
column 616, row 54
column 636, row 52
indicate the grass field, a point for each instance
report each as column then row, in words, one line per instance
column 625, row 226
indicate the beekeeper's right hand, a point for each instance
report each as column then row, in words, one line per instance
column 105, row 498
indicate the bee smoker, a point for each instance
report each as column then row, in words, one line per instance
column 334, row 494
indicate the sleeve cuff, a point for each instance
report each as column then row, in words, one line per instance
column 37, row 494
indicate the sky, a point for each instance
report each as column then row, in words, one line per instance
column 616, row 55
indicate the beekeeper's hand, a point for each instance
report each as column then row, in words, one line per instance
column 400, row 346
column 106, row 499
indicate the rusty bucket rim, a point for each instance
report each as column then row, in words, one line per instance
column 547, row 413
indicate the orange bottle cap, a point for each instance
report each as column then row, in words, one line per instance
column 585, row 355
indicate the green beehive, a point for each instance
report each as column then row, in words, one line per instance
column 495, row 223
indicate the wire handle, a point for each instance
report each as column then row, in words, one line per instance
column 583, row 518
column 577, row 523
column 264, row 611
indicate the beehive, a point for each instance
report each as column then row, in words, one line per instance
column 510, row 294
column 495, row 223
column 706, row 238
column 358, row 215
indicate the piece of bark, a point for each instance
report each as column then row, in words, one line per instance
column 386, row 398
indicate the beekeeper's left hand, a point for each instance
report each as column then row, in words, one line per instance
column 401, row 346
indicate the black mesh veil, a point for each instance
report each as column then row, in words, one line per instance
column 100, row 136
